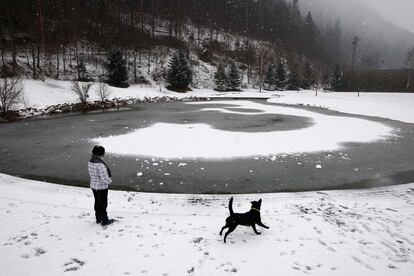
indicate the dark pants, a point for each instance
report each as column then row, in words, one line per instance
column 101, row 202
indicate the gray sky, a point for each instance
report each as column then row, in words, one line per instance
column 399, row 12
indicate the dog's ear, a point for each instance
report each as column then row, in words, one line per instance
column 252, row 202
column 260, row 200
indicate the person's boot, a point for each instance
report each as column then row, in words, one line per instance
column 107, row 222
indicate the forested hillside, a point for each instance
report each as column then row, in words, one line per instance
column 55, row 38
column 383, row 45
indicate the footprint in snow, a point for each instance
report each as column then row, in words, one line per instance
column 73, row 265
column 39, row 251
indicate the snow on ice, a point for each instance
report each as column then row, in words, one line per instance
column 204, row 141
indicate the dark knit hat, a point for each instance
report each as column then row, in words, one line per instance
column 98, row 150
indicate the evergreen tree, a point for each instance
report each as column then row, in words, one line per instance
column 116, row 69
column 220, row 78
column 81, row 70
column 233, row 81
column 326, row 81
column 308, row 76
column 179, row 74
column 295, row 81
column 269, row 80
column 336, row 79
column 205, row 53
column 280, row 77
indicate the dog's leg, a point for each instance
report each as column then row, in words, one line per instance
column 224, row 227
column 255, row 230
column 262, row 225
column 231, row 229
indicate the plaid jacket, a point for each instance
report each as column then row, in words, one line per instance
column 99, row 176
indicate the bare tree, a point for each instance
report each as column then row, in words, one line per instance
column 11, row 92
column 81, row 90
column 103, row 91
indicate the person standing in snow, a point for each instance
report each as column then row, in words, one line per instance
column 100, row 176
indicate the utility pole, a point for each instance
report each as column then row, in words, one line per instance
column 354, row 43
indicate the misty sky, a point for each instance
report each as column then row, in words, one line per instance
column 399, row 12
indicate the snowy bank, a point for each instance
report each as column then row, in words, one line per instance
column 394, row 106
column 49, row 229
column 41, row 94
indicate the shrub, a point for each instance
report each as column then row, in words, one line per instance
column 103, row 91
column 81, row 90
column 11, row 93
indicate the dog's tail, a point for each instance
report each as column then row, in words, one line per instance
column 231, row 206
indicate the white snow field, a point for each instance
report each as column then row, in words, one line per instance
column 394, row 106
column 50, row 229
column 204, row 141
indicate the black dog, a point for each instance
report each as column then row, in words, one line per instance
column 250, row 218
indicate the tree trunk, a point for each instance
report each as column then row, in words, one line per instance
column 76, row 53
column 34, row 62
column 211, row 31
column 135, row 66
column 261, row 72
column 171, row 19
column 42, row 33
column 2, row 56
column 38, row 55
column 50, row 65
column 64, row 60
column 70, row 57
column 14, row 51
column 248, row 74
column 27, row 56
column 127, row 61
column 149, row 61
column 142, row 14
column 57, row 62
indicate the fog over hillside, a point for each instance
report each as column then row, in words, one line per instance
column 399, row 12
column 383, row 44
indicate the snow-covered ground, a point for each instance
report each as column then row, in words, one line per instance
column 395, row 106
column 49, row 229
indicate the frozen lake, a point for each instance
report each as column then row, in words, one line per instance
column 57, row 149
